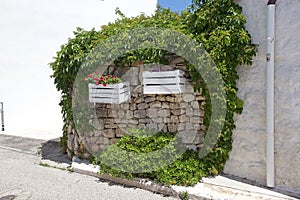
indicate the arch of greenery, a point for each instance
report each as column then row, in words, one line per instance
column 219, row 25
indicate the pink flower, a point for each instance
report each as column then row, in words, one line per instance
column 104, row 84
column 96, row 81
column 102, row 78
column 108, row 76
column 84, row 80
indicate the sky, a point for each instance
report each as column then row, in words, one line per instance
column 175, row 5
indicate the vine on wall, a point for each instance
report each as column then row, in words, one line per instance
column 218, row 24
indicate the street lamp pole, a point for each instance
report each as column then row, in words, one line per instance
column 2, row 116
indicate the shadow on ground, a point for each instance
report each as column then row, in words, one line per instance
column 50, row 150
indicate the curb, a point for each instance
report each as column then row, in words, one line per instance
column 140, row 183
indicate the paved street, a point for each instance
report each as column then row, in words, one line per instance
column 22, row 176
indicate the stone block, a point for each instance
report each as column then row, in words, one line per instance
column 155, row 104
column 161, row 98
column 162, row 127
column 164, row 113
column 104, row 140
column 152, row 112
column 188, row 97
column 129, row 114
column 141, row 126
column 139, row 99
column 113, row 141
column 165, row 105
column 138, row 89
column 157, row 120
column 139, row 114
column 120, row 133
column 174, row 118
column 183, row 105
column 167, row 120
column 174, row 106
column 200, row 98
column 111, row 125
column 101, row 112
column 70, row 142
column 199, row 113
column 178, row 98
column 120, row 113
column 125, row 106
column 152, row 126
column 202, row 105
column 170, row 99
column 195, row 104
column 178, row 60
column 149, row 99
column 183, row 118
column 181, row 126
column 189, row 111
column 178, row 112
column 133, row 106
column 142, row 106
column 146, row 121
column 98, row 124
column 109, row 133
column 196, row 120
column 131, row 121
column 172, row 127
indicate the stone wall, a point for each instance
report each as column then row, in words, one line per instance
column 248, row 157
column 182, row 113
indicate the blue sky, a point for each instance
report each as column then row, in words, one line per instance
column 175, row 5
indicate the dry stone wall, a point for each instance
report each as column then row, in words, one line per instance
column 181, row 113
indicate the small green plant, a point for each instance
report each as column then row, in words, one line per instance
column 184, row 195
column 187, row 169
column 63, row 143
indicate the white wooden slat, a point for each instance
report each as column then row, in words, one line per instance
column 163, row 90
column 174, row 73
column 164, row 81
column 120, row 99
column 108, row 90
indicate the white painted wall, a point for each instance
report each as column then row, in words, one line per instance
column 248, row 157
column 31, row 32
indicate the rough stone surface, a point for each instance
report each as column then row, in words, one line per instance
column 248, row 157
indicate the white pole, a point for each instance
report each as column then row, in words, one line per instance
column 270, row 169
column 2, row 116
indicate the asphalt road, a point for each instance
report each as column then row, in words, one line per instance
column 21, row 177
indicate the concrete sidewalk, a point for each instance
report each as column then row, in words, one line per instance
column 18, row 154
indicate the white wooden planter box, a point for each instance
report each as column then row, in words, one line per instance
column 165, row 82
column 110, row 94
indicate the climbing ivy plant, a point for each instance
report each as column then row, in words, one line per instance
column 218, row 24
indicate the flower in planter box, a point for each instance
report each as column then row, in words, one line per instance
column 98, row 79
